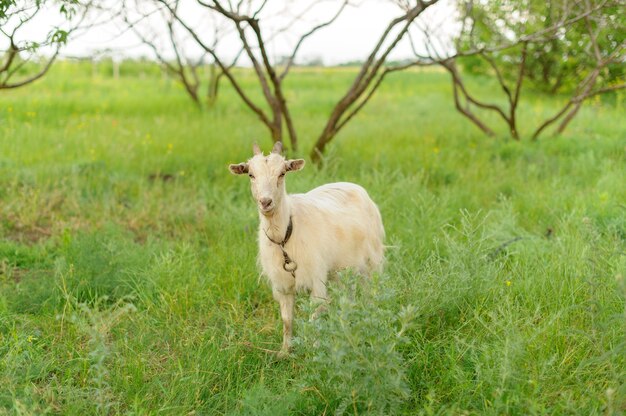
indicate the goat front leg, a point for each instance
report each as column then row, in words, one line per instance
column 286, row 301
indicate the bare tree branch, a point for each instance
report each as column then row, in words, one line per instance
column 226, row 69
column 308, row 34
column 368, row 72
column 32, row 78
column 13, row 62
column 247, row 21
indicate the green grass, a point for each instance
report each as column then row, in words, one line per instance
column 122, row 292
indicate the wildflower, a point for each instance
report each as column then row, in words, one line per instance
column 10, row 109
column 436, row 150
column 30, row 339
column 170, row 146
column 508, row 283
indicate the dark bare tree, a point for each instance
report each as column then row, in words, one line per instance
column 246, row 18
column 158, row 28
column 249, row 19
column 370, row 75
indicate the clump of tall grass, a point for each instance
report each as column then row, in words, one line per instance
column 96, row 321
column 352, row 353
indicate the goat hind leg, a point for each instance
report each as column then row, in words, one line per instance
column 319, row 294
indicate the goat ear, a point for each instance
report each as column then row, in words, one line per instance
column 294, row 164
column 238, row 169
column 256, row 149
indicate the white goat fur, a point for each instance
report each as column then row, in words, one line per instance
column 335, row 226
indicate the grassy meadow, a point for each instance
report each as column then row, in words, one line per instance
column 128, row 278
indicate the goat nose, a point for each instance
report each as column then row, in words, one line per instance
column 266, row 202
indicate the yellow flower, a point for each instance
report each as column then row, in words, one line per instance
column 436, row 149
column 10, row 109
column 508, row 283
column 604, row 196
column 30, row 339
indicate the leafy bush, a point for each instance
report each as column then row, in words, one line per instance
column 352, row 354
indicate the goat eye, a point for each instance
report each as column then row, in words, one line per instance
column 251, row 176
column 282, row 175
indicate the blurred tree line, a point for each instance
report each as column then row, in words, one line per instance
column 574, row 48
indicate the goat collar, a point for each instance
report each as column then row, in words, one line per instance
column 289, row 265
column 287, row 235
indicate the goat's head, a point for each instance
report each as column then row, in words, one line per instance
column 267, row 176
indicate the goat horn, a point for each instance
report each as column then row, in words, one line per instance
column 278, row 148
column 256, row 149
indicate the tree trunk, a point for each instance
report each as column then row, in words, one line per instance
column 277, row 134
column 320, row 146
column 329, row 131
column 568, row 118
column 192, row 91
column 212, row 90
column 283, row 111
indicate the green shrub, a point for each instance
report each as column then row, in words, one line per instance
column 351, row 353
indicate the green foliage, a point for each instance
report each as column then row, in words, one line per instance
column 96, row 323
column 128, row 282
column 69, row 8
column 353, row 350
column 59, row 36
column 260, row 401
column 4, row 7
column 554, row 63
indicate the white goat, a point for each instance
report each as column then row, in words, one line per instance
column 304, row 237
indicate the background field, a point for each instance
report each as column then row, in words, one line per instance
column 127, row 261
